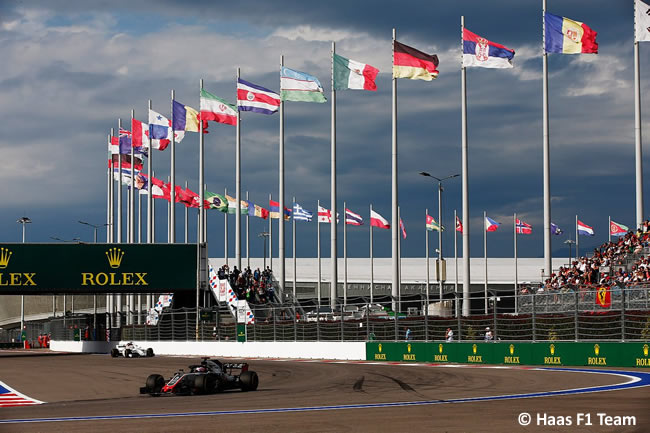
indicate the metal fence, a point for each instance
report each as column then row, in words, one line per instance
column 555, row 316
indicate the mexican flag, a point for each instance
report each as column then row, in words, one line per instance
column 350, row 74
column 214, row 108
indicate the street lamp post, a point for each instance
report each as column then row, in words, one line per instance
column 264, row 235
column 570, row 242
column 23, row 220
column 95, row 227
column 440, row 257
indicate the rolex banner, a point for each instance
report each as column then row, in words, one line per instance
column 30, row 269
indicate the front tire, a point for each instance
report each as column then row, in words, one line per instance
column 155, row 383
column 200, row 384
column 149, row 352
column 249, row 381
column 115, row 353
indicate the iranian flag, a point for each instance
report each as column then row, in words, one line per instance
column 215, row 108
column 350, row 74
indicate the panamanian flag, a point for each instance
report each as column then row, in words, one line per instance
column 481, row 53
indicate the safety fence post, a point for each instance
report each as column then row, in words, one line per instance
column 532, row 295
column 575, row 316
column 623, row 314
column 273, row 316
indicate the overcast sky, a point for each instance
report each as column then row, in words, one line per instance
column 70, row 69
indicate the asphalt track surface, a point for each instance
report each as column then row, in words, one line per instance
column 100, row 394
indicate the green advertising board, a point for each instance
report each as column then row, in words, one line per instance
column 241, row 333
column 36, row 269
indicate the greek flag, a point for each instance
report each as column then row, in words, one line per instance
column 300, row 214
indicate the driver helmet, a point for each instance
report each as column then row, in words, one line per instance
column 201, row 369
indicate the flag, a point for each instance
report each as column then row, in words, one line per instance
column 186, row 118
column 352, row 218
column 126, row 161
column 616, row 229
column 491, row 225
column 125, row 141
column 642, row 21
column 251, row 97
column 274, row 210
column 261, row 212
column 411, row 63
column 160, row 131
column 301, row 214
column 566, row 36
column 159, row 189
column 431, row 224
column 188, row 197
column 140, row 137
column 120, row 145
column 299, row 86
column 126, row 175
column 523, row 228
column 401, row 226
column 216, row 201
column 584, row 229
column 480, row 52
column 459, row 225
column 377, row 220
column 232, row 205
column 325, row 215
column 555, row 230
column 603, row 297
column 350, row 74
column 217, row 109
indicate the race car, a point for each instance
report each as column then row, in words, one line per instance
column 208, row 377
column 130, row 350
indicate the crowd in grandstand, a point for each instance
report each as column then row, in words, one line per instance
column 255, row 287
column 607, row 266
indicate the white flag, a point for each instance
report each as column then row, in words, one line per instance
column 642, row 20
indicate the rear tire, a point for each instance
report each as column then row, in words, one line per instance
column 149, row 352
column 155, row 383
column 115, row 353
column 249, row 381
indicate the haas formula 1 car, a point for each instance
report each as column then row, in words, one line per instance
column 210, row 376
column 130, row 350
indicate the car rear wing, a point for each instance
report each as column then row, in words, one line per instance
column 230, row 366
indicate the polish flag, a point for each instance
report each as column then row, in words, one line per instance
column 377, row 220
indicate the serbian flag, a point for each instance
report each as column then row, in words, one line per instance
column 352, row 218
column 401, row 226
column 413, row 64
column 251, row 97
column 479, row 52
column 616, row 229
column 377, row 220
column 523, row 228
column 566, row 36
column 603, row 297
column 491, row 225
column 459, row 225
column 584, row 229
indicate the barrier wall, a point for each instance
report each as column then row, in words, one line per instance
column 270, row 349
column 605, row 354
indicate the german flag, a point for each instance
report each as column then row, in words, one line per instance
column 413, row 64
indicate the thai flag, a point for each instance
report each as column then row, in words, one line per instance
column 352, row 218
column 584, row 229
column 491, row 225
column 523, row 228
column 251, row 97
column 479, row 52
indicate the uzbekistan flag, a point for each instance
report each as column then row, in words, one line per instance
column 431, row 224
column 216, row 109
column 566, row 36
column 350, row 74
column 479, row 52
column 459, row 225
column 352, row 218
column 523, row 228
column 616, row 229
column 300, row 86
column 377, row 220
column 491, row 225
column 186, row 118
column 414, row 64
column 584, row 229
column 251, row 97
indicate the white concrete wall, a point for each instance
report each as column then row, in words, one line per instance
column 270, row 349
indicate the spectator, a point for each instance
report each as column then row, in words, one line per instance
column 449, row 335
column 488, row 334
column 408, row 334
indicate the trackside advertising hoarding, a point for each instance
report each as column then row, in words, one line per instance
column 600, row 354
column 37, row 269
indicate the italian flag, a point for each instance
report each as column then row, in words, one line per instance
column 350, row 74
column 214, row 108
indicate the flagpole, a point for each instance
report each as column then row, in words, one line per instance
column 455, row 264
column 225, row 230
column 426, row 256
column 546, row 147
column 119, row 191
column 186, row 232
column 200, row 236
column 318, row 249
column 334, row 226
column 465, row 164
column 153, row 214
column 372, row 270
column 109, row 205
column 516, row 270
column 577, row 239
column 248, row 245
column 238, row 183
column 485, row 300
column 139, row 217
column 169, row 211
column 172, row 170
column 293, row 247
column 149, row 182
column 638, row 150
column 345, row 256
column 399, row 267
column 270, row 237
column 395, row 220
column 609, row 228
column 281, row 252
column 131, row 191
